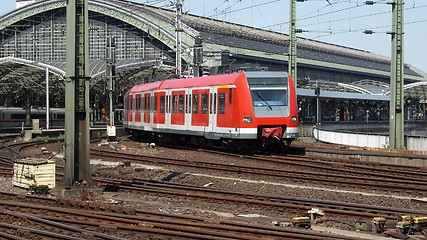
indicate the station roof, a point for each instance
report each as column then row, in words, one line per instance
column 23, row 74
column 363, row 90
column 216, row 35
column 244, row 37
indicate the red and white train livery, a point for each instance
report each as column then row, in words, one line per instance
column 236, row 110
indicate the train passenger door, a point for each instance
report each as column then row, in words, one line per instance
column 212, row 107
column 153, row 103
column 188, row 104
column 159, row 107
column 147, row 103
column 178, row 108
column 138, row 112
column 225, row 113
column 200, row 108
column 129, row 115
column 168, row 108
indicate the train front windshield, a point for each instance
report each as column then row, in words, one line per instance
column 269, row 91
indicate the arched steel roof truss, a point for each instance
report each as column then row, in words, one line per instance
column 415, row 90
column 41, row 66
column 163, row 31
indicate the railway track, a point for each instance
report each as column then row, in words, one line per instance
column 306, row 170
column 280, row 202
column 350, row 166
column 416, row 187
column 347, row 174
column 138, row 224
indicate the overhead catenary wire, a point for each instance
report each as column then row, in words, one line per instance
column 337, row 31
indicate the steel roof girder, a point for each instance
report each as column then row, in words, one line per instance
column 161, row 30
column 38, row 65
column 29, row 11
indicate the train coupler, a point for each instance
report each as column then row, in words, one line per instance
column 271, row 135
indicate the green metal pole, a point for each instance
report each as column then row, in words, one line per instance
column 292, row 62
column 396, row 133
column 77, row 122
column 178, row 5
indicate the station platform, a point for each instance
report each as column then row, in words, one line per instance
column 362, row 134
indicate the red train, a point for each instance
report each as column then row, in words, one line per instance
column 237, row 111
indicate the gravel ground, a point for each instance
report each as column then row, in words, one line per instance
column 236, row 182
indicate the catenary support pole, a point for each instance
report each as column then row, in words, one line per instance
column 77, row 121
column 292, row 62
column 47, row 98
column 396, row 127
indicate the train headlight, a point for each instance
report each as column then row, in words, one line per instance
column 294, row 119
column 247, row 119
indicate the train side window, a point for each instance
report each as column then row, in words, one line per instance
column 136, row 102
column 149, row 104
column 155, row 103
column 168, row 104
column 221, row 103
column 187, row 102
column 141, row 103
column 181, row 104
column 196, row 103
column 162, row 104
column 205, row 103
column 230, row 95
column 214, row 105
column 174, row 103
column 211, row 106
column 17, row 116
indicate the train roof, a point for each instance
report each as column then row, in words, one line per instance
column 222, row 79
column 146, row 87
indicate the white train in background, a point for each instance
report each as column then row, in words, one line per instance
column 14, row 117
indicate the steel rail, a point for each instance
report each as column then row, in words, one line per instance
column 173, row 228
column 267, row 200
column 416, row 188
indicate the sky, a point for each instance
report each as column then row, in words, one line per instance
column 340, row 22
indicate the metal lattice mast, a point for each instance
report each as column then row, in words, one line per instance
column 110, row 73
column 396, row 134
column 178, row 30
column 292, row 62
column 77, row 167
